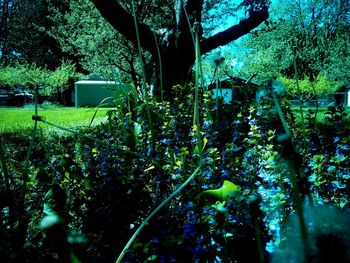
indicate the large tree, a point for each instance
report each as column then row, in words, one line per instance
column 316, row 31
column 170, row 28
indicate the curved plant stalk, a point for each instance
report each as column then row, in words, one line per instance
column 190, row 26
column 154, row 212
column 144, row 85
column 30, row 149
column 42, row 119
column 98, row 107
column 194, row 43
column 280, row 115
column 198, row 54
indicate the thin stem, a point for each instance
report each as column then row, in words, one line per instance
column 316, row 99
column 190, row 26
column 98, row 107
column 4, row 167
column 144, row 86
column 296, row 76
column 154, row 212
column 196, row 123
column 84, row 135
column 280, row 114
column 160, row 69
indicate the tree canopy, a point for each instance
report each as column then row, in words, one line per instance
column 314, row 32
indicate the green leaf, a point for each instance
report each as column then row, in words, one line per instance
column 227, row 190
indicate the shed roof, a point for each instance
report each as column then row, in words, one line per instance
column 98, row 82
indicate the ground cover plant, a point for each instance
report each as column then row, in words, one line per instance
column 99, row 186
column 190, row 179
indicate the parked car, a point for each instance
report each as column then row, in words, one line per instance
column 15, row 97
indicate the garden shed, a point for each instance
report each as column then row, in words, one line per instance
column 93, row 92
column 233, row 88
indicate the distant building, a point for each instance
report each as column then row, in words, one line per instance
column 93, row 92
column 235, row 87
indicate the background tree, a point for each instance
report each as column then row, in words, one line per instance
column 81, row 31
column 318, row 30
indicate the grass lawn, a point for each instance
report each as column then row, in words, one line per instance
column 19, row 119
column 321, row 117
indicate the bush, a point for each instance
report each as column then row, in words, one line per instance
column 321, row 86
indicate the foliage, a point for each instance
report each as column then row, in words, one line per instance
column 82, row 197
column 321, row 86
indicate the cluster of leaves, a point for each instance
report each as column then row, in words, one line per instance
column 119, row 172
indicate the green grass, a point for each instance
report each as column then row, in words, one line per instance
column 321, row 117
column 20, row 119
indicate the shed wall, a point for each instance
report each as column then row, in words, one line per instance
column 92, row 94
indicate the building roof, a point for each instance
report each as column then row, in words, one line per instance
column 101, row 82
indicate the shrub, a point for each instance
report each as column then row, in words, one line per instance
column 322, row 86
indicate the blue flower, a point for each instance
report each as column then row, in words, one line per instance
column 191, row 217
column 189, row 230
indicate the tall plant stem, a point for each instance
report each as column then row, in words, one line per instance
column 196, row 123
column 160, row 69
column 144, row 85
column 154, row 212
column 316, row 99
column 296, row 77
column 7, row 183
column 290, row 155
column 4, row 167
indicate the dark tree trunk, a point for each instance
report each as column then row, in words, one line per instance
column 176, row 44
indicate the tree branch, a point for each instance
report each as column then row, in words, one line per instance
column 234, row 32
column 123, row 22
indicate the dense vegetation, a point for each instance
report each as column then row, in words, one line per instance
column 174, row 174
